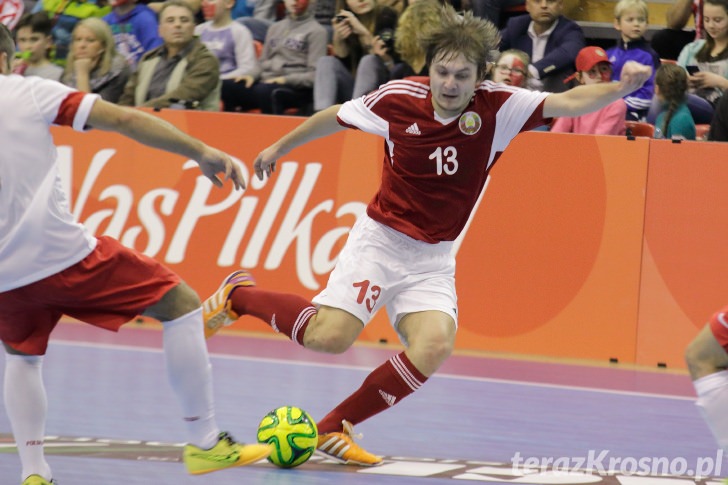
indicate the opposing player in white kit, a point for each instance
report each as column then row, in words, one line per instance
column 442, row 136
column 707, row 359
column 50, row 266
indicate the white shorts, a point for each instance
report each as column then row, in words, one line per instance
column 381, row 267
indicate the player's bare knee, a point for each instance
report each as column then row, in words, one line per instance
column 329, row 342
column 701, row 361
column 178, row 301
column 440, row 349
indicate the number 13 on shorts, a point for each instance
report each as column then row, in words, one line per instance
column 368, row 294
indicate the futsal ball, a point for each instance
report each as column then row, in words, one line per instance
column 293, row 434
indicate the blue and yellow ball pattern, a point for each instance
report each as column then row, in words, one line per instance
column 293, row 434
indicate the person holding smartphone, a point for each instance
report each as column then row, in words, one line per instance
column 706, row 60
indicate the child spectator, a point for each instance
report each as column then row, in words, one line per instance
column 135, row 29
column 706, row 60
column 93, row 65
column 231, row 42
column 285, row 74
column 675, row 120
column 34, row 42
column 592, row 67
column 630, row 19
column 511, row 68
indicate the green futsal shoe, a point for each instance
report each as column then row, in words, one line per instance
column 38, row 480
column 225, row 454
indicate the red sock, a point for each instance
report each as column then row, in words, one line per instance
column 287, row 314
column 387, row 385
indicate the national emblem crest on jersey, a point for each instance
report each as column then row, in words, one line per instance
column 470, row 123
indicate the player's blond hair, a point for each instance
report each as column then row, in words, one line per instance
column 464, row 34
column 624, row 5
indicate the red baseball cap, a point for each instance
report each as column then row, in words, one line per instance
column 587, row 58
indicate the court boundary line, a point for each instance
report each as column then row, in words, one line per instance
column 269, row 360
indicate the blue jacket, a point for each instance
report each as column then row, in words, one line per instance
column 135, row 33
column 562, row 46
column 640, row 51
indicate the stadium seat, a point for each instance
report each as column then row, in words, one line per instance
column 701, row 132
column 640, row 128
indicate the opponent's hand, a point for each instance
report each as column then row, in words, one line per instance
column 634, row 75
column 214, row 161
column 265, row 162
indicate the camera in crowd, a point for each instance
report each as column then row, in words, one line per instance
column 387, row 36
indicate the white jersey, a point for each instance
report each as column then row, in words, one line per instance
column 38, row 235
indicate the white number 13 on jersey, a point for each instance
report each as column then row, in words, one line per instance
column 446, row 160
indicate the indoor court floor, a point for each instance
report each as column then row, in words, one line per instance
column 113, row 419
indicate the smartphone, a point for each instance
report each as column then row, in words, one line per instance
column 692, row 70
column 340, row 18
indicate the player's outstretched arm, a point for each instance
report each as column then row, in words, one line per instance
column 319, row 125
column 588, row 98
column 157, row 133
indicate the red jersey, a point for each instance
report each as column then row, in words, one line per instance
column 434, row 168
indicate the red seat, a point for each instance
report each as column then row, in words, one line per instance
column 701, row 132
column 640, row 128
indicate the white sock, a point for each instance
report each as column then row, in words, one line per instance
column 27, row 406
column 190, row 375
column 712, row 402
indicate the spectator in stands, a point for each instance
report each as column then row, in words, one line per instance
column 511, row 68
column 181, row 72
column 671, row 88
column 135, row 29
column 93, row 64
column 706, row 60
column 551, row 40
column 34, row 43
column 195, row 6
column 357, row 26
column 669, row 42
column 64, row 15
column 491, row 9
column 416, row 22
column 719, row 123
column 630, row 19
column 285, row 74
column 230, row 41
column 11, row 11
column 593, row 67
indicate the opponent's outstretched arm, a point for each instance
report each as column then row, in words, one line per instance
column 157, row 133
column 588, row 98
column 319, row 125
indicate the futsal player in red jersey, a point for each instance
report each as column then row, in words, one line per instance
column 442, row 136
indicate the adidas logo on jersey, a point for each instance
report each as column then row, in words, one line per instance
column 413, row 129
column 388, row 398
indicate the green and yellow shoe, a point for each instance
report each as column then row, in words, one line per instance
column 225, row 454
column 38, row 480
